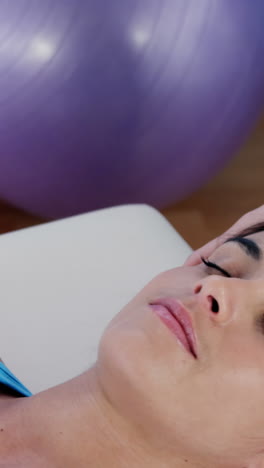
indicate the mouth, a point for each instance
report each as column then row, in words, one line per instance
column 175, row 316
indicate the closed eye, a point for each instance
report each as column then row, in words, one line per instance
column 216, row 267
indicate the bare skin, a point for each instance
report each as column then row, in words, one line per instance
column 147, row 402
column 247, row 220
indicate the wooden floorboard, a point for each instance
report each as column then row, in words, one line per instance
column 237, row 189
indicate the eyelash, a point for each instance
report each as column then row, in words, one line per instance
column 216, row 267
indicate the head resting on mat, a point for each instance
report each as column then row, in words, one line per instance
column 179, row 377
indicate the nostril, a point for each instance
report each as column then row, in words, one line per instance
column 197, row 289
column 214, row 304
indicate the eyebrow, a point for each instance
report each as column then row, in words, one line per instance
column 249, row 246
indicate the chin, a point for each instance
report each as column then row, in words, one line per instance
column 137, row 360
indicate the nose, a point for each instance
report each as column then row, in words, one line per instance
column 214, row 295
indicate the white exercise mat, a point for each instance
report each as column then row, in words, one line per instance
column 62, row 282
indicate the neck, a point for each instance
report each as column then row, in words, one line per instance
column 74, row 424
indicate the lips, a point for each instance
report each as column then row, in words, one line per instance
column 178, row 320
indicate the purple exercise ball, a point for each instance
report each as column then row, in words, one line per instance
column 123, row 101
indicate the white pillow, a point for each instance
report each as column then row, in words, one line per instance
column 62, row 282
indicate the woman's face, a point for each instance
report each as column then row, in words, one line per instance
column 211, row 407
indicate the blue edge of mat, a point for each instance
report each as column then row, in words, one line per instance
column 11, row 382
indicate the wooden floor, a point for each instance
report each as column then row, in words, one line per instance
column 206, row 213
column 238, row 189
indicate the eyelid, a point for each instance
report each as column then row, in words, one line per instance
column 216, row 267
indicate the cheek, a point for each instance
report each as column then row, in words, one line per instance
column 149, row 379
column 239, row 378
column 243, row 351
